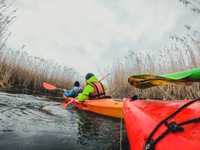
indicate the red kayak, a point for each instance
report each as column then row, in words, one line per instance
column 162, row 125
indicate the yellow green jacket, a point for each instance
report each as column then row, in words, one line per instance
column 88, row 89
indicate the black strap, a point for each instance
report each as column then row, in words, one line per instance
column 103, row 89
column 194, row 120
column 171, row 127
column 134, row 97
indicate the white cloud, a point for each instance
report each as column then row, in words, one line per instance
column 90, row 34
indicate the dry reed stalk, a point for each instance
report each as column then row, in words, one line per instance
column 184, row 54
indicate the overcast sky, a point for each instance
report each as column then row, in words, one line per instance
column 89, row 35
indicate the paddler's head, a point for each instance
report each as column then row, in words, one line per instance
column 88, row 76
column 76, row 83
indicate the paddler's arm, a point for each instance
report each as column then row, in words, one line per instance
column 69, row 93
column 85, row 94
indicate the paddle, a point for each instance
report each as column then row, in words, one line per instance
column 148, row 80
column 104, row 77
column 186, row 77
column 72, row 100
column 50, row 87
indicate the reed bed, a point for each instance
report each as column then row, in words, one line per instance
column 21, row 71
column 183, row 53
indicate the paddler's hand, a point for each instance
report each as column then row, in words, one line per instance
column 79, row 101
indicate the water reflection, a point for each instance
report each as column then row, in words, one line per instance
column 98, row 131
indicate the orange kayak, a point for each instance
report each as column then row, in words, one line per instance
column 106, row 107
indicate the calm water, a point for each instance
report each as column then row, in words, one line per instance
column 32, row 123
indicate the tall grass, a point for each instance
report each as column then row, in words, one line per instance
column 184, row 53
column 7, row 15
column 19, row 70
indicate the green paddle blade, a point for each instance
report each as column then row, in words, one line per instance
column 192, row 74
column 148, row 80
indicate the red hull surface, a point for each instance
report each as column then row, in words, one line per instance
column 142, row 116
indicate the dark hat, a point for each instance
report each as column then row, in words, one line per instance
column 89, row 75
column 76, row 83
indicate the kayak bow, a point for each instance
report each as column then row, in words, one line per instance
column 106, row 107
column 153, row 124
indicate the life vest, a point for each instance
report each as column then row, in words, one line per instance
column 99, row 91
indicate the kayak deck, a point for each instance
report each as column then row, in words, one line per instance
column 142, row 116
column 106, row 107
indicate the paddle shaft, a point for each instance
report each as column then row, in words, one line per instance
column 104, row 77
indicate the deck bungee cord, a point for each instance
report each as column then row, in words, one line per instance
column 172, row 127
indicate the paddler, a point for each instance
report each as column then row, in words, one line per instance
column 74, row 91
column 93, row 89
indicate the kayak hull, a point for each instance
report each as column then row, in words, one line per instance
column 142, row 116
column 106, row 107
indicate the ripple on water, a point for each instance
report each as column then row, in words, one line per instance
column 29, row 123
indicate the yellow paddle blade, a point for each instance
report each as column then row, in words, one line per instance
column 149, row 80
